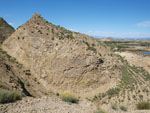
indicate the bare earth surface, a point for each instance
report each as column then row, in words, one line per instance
column 46, row 105
column 55, row 105
column 137, row 59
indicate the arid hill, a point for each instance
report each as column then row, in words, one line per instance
column 42, row 59
column 62, row 60
column 5, row 30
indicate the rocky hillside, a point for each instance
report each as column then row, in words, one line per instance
column 62, row 60
column 5, row 30
column 40, row 59
column 13, row 76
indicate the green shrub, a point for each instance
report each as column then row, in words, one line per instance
column 57, row 94
column 123, row 108
column 9, row 96
column 100, row 111
column 134, row 97
column 90, row 47
column 67, row 97
column 127, row 76
column 93, row 44
column 113, row 91
column 27, row 72
column 70, row 36
column 143, row 105
column 141, row 97
column 114, row 106
column 52, row 30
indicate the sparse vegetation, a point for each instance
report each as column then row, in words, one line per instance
column 129, row 97
column 67, row 97
column 27, row 72
column 57, row 94
column 90, row 47
column 9, row 96
column 113, row 91
column 114, row 106
column 100, row 96
column 110, row 93
column 134, row 97
column 100, row 111
column 52, row 38
column 70, row 36
column 52, row 30
column 127, row 77
column 10, row 58
column 143, row 105
column 123, row 108
column 141, row 97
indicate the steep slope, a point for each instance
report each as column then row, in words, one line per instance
column 5, row 30
column 62, row 60
column 13, row 76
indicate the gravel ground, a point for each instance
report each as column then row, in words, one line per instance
column 55, row 105
column 46, row 105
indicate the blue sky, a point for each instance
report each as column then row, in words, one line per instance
column 116, row 18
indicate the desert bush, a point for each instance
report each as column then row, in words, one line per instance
column 123, row 108
column 52, row 30
column 143, row 105
column 9, row 96
column 141, row 97
column 114, row 106
column 67, row 97
column 57, row 94
column 113, row 91
column 90, row 47
column 100, row 111
column 27, row 72
column 70, row 36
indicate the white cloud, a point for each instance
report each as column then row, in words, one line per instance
column 115, row 34
column 11, row 23
column 74, row 30
column 144, row 24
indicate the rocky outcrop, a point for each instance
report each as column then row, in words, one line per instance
column 62, row 60
column 13, row 76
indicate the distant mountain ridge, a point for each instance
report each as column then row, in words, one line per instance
column 5, row 30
